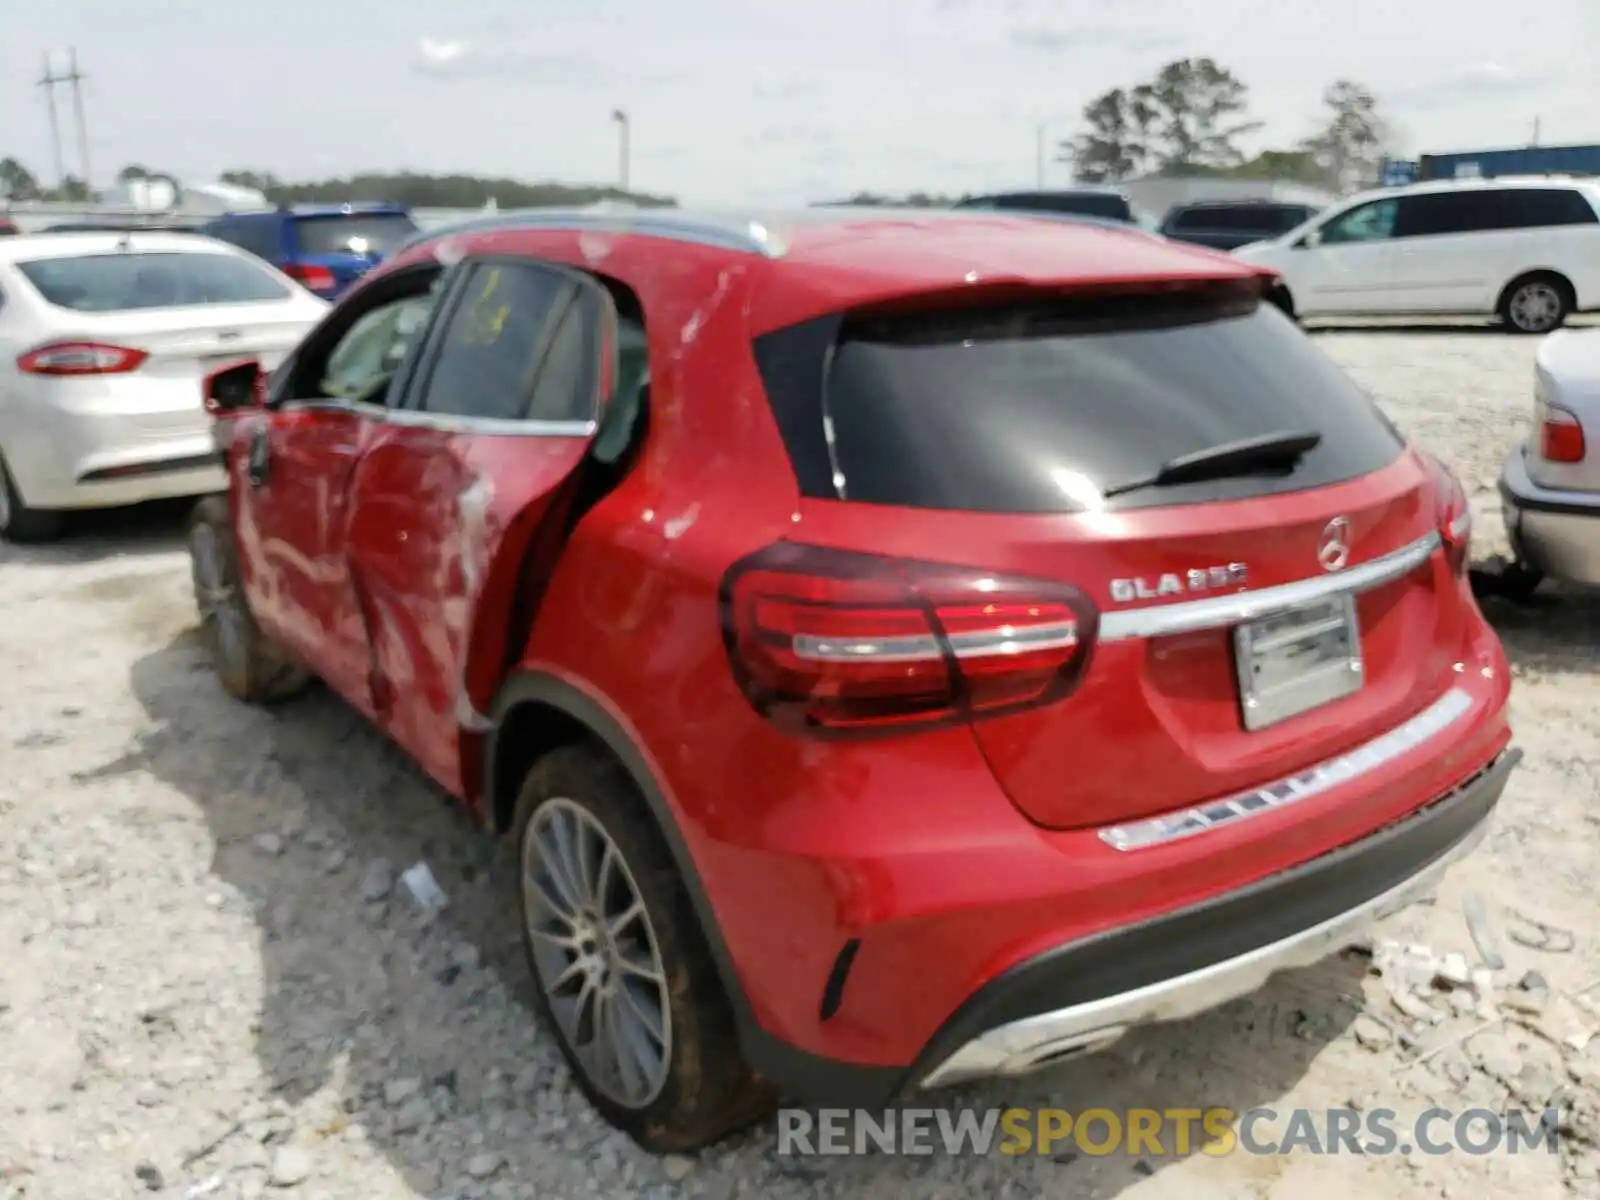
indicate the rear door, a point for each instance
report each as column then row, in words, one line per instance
column 1453, row 246
column 997, row 440
column 450, row 495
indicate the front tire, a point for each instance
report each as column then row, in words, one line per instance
column 249, row 664
column 621, row 971
column 18, row 522
column 1536, row 304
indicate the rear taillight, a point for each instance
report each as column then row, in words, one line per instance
column 1454, row 515
column 80, row 358
column 317, row 279
column 832, row 640
column 1560, row 436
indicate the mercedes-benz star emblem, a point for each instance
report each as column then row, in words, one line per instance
column 1333, row 552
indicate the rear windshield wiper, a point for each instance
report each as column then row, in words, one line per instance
column 1270, row 452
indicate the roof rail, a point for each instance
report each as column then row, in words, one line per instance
column 742, row 235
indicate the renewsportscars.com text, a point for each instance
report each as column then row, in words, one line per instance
column 1166, row 1132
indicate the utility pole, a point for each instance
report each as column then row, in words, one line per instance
column 76, row 78
column 621, row 119
column 48, row 82
column 1535, row 141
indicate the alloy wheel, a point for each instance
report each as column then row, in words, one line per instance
column 595, row 953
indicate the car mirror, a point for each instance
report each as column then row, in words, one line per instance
column 1311, row 240
column 234, row 388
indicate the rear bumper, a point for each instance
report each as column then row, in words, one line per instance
column 63, row 459
column 1554, row 532
column 1085, row 995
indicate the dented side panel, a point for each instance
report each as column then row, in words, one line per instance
column 439, row 527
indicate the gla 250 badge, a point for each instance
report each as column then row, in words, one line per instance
column 1207, row 579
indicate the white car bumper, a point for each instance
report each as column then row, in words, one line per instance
column 87, row 444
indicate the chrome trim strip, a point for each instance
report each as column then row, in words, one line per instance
column 1055, row 635
column 446, row 422
column 1023, row 1046
column 1218, row 611
column 1428, row 724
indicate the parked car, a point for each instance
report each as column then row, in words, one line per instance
column 104, row 341
column 8, row 227
column 325, row 247
column 1106, row 203
column 1524, row 250
column 1550, row 486
column 1229, row 224
column 880, row 687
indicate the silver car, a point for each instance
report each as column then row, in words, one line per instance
column 1550, row 487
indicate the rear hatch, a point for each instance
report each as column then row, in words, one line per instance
column 330, row 251
column 1024, row 444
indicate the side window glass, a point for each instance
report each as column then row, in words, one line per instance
column 511, row 315
column 1372, row 222
column 365, row 360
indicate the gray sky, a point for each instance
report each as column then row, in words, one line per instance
column 735, row 100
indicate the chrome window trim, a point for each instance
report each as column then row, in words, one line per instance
column 1432, row 722
column 1215, row 612
column 445, row 422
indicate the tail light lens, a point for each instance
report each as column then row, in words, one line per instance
column 317, row 279
column 80, row 358
column 834, row 641
column 1560, row 436
column 1454, row 516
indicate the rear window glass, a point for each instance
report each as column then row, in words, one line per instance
column 1088, row 204
column 123, row 282
column 353, row 233
column 1040, row 409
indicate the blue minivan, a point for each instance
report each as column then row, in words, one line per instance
column 326, row 247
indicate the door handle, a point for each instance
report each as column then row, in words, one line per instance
column 259, row 458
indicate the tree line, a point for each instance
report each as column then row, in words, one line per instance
column 413, row 189
column 1189, row 118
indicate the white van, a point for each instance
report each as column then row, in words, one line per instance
column 1525, row 250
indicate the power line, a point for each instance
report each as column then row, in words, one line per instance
column 49, row 81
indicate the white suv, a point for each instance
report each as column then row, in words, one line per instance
column 1525, row 250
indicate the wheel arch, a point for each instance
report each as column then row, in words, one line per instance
column 536, row 713
column 1559, row 277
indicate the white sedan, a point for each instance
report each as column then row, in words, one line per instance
column 104, row 341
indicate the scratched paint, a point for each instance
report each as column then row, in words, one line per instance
column 475, row 505
column 675, row 528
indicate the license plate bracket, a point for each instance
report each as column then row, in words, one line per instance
column 1296, row 660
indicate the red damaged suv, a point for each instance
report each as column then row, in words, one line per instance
column 906, row 648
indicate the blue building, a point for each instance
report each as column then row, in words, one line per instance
column 1527, row 160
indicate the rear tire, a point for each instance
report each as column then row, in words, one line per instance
column 588, row 856
column 18, row 522
column 1536, row 303
column 251, row 666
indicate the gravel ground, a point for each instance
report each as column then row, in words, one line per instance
column 212, row 984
